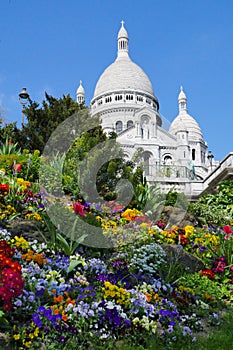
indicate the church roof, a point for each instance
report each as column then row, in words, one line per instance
column 123, row 74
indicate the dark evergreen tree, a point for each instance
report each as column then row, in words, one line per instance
column 42, row 121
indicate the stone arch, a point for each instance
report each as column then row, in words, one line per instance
column 129, row 123
column 119, row 126
column 167, row 159
column 146, row 156
column 145, row 129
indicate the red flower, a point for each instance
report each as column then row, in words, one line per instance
column 11, row 282
column 208, row 273
column 10, row 143
column 183, row 240
column 79, row 209
column 227, row 229
column 4, row 188
column 17, row 167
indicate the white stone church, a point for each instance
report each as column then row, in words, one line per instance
column 177, row 157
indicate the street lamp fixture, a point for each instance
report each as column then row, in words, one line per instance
column 210, row 159
column 23, row 98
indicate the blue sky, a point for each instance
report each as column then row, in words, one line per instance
column 49, row 45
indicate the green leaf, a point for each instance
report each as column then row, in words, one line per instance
column 72, row 265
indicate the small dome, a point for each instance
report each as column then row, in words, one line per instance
column 122, row 32
column 182, row 95
column 80, row 89
column 186, row 122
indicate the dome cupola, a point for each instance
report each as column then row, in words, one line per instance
column 80, row 93
column 123, row 40
column 123, row 74
column 182, row 99
column 185, row 121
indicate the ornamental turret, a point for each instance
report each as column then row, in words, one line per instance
column 80, row 93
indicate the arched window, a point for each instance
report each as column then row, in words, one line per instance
column 193, row 154
column 146, row 160
column 118, row 126
column 129, row 123
column 167, row 160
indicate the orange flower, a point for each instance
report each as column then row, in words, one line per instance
column 58, row 299
column 70, row 301
column 64, row 318
column 148, row 297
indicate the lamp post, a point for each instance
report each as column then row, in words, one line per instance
column 210, row 159
column 23, row 98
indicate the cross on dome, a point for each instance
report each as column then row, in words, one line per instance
column 122, row 41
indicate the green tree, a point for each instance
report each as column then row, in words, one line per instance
column 10, row 131
column 95, row 165
column 42, row 121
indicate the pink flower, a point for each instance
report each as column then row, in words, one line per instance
column 227, row 229
column 17, row 167
column 79, row 209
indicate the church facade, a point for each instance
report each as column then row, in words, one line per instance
column 177, row 157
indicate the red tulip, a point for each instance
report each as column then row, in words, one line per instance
column 79, row 209
column 227, row 229
column 17, row 167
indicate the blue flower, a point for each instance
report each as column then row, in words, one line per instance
column 36, row 319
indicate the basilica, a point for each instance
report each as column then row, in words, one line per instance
column 176, row 157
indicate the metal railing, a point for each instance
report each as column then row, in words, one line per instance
column 169, row 171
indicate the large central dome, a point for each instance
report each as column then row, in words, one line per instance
column 123, row 74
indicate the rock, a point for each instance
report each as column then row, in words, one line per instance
column 176, row 253
column 27, row 229
column 175, row 216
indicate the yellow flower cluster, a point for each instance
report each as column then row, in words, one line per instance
column 120, row 295
column 170, row 236
column 20, row 242
column 130, row 214
column 189, row 230
column 54, row 276
column 148, row 291
column 105, row 223
column 185, row 289
column 207, row 239
column 27, row 336
column 23, row 183
column 2, row 172
column 82, row 279
column 33, row 216
column 145, row 323
column 6, row 211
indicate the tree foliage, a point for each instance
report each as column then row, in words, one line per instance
column 42, row 121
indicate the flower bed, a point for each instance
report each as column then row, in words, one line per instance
column 64, row 295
